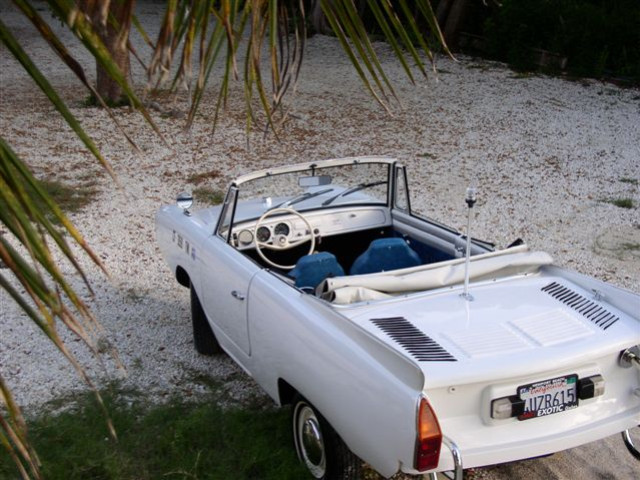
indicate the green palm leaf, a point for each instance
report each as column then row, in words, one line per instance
column 58, row 47
column 26, row 210
column 80, row 25
column 8, row 39
column 271, row 26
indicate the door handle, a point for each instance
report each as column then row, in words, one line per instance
column 237, row 294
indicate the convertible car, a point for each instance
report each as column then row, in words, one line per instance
column 399, row 341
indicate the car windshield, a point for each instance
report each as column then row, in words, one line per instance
column 327, row 187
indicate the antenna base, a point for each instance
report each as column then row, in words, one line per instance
column 467, row 296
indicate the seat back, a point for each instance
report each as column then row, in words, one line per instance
column 385, row 254
column 313, row 269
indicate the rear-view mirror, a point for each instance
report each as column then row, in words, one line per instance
column 315, row 181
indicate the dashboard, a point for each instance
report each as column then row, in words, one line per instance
column 325, row 223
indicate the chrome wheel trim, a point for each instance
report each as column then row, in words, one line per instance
column 628, row 441
column 309, row 441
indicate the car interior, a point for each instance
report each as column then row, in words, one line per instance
column 405, row 241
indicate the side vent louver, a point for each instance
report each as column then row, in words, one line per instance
column 420, row 346
column 587, row 308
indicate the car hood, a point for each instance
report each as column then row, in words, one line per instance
column 511, row 326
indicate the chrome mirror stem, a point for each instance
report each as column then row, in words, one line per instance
column 470, row 199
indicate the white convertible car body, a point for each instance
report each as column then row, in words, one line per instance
column 389, row 355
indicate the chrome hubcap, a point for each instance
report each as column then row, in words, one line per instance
column 310, row 441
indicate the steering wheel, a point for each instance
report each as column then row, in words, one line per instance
column 282, row 242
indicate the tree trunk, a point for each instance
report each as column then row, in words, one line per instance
column 443, row 11
column 451, row 15
column 317, row 18
column 115, row 36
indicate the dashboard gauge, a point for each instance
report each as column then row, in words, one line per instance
column 281, row 229
column 245, row 237
column 263, row 234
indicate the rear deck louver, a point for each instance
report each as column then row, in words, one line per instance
column 420, row 346
column 587, row 308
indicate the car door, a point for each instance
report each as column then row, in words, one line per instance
column 226, row 279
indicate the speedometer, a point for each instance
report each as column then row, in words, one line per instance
column 281, row 229
column 245, row 237
column 263, row 234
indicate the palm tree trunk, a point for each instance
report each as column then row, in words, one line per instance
column 451, row 15
column 112, row 22
column 317, row 18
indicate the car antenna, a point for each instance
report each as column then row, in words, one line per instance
column 470, row 199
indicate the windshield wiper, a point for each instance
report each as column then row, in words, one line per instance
column 351, row 190
column 302, row 198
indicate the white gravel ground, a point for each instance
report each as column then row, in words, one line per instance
column 545, row 153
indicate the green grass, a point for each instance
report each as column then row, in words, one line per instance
column 522, row 74
column 198, row 178
column 631, row 181
column 70, row 198
column 208, row 195
column 174, row 441
column 620, row 202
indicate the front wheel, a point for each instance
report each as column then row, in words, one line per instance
column 203, row 337
column 319, row 447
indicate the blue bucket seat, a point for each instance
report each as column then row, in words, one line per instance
column 385, row 254
column 313, row 269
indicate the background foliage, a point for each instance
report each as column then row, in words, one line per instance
column 599, row 37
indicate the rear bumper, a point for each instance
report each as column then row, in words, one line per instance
column 464, row 414
column 452, row 460
column 513, row 451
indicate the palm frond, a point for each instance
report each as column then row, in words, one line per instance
column 54, row 42
column 14, row 47
column 13, row 434
column 34, row 220
column 277, row 28
column 83, row 29
column 27, row 211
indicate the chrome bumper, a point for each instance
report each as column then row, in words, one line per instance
column 456, row 473
column 630, row 358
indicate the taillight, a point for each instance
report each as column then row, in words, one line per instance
column 429, row 438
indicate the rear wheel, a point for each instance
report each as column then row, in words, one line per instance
column 203, row 337
column 319, row 447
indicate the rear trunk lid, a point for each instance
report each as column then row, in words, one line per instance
column 511, row 326
column 516, row 332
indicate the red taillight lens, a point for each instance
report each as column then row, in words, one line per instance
column 429, row 438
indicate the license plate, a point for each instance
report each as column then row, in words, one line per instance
column 549, row 396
